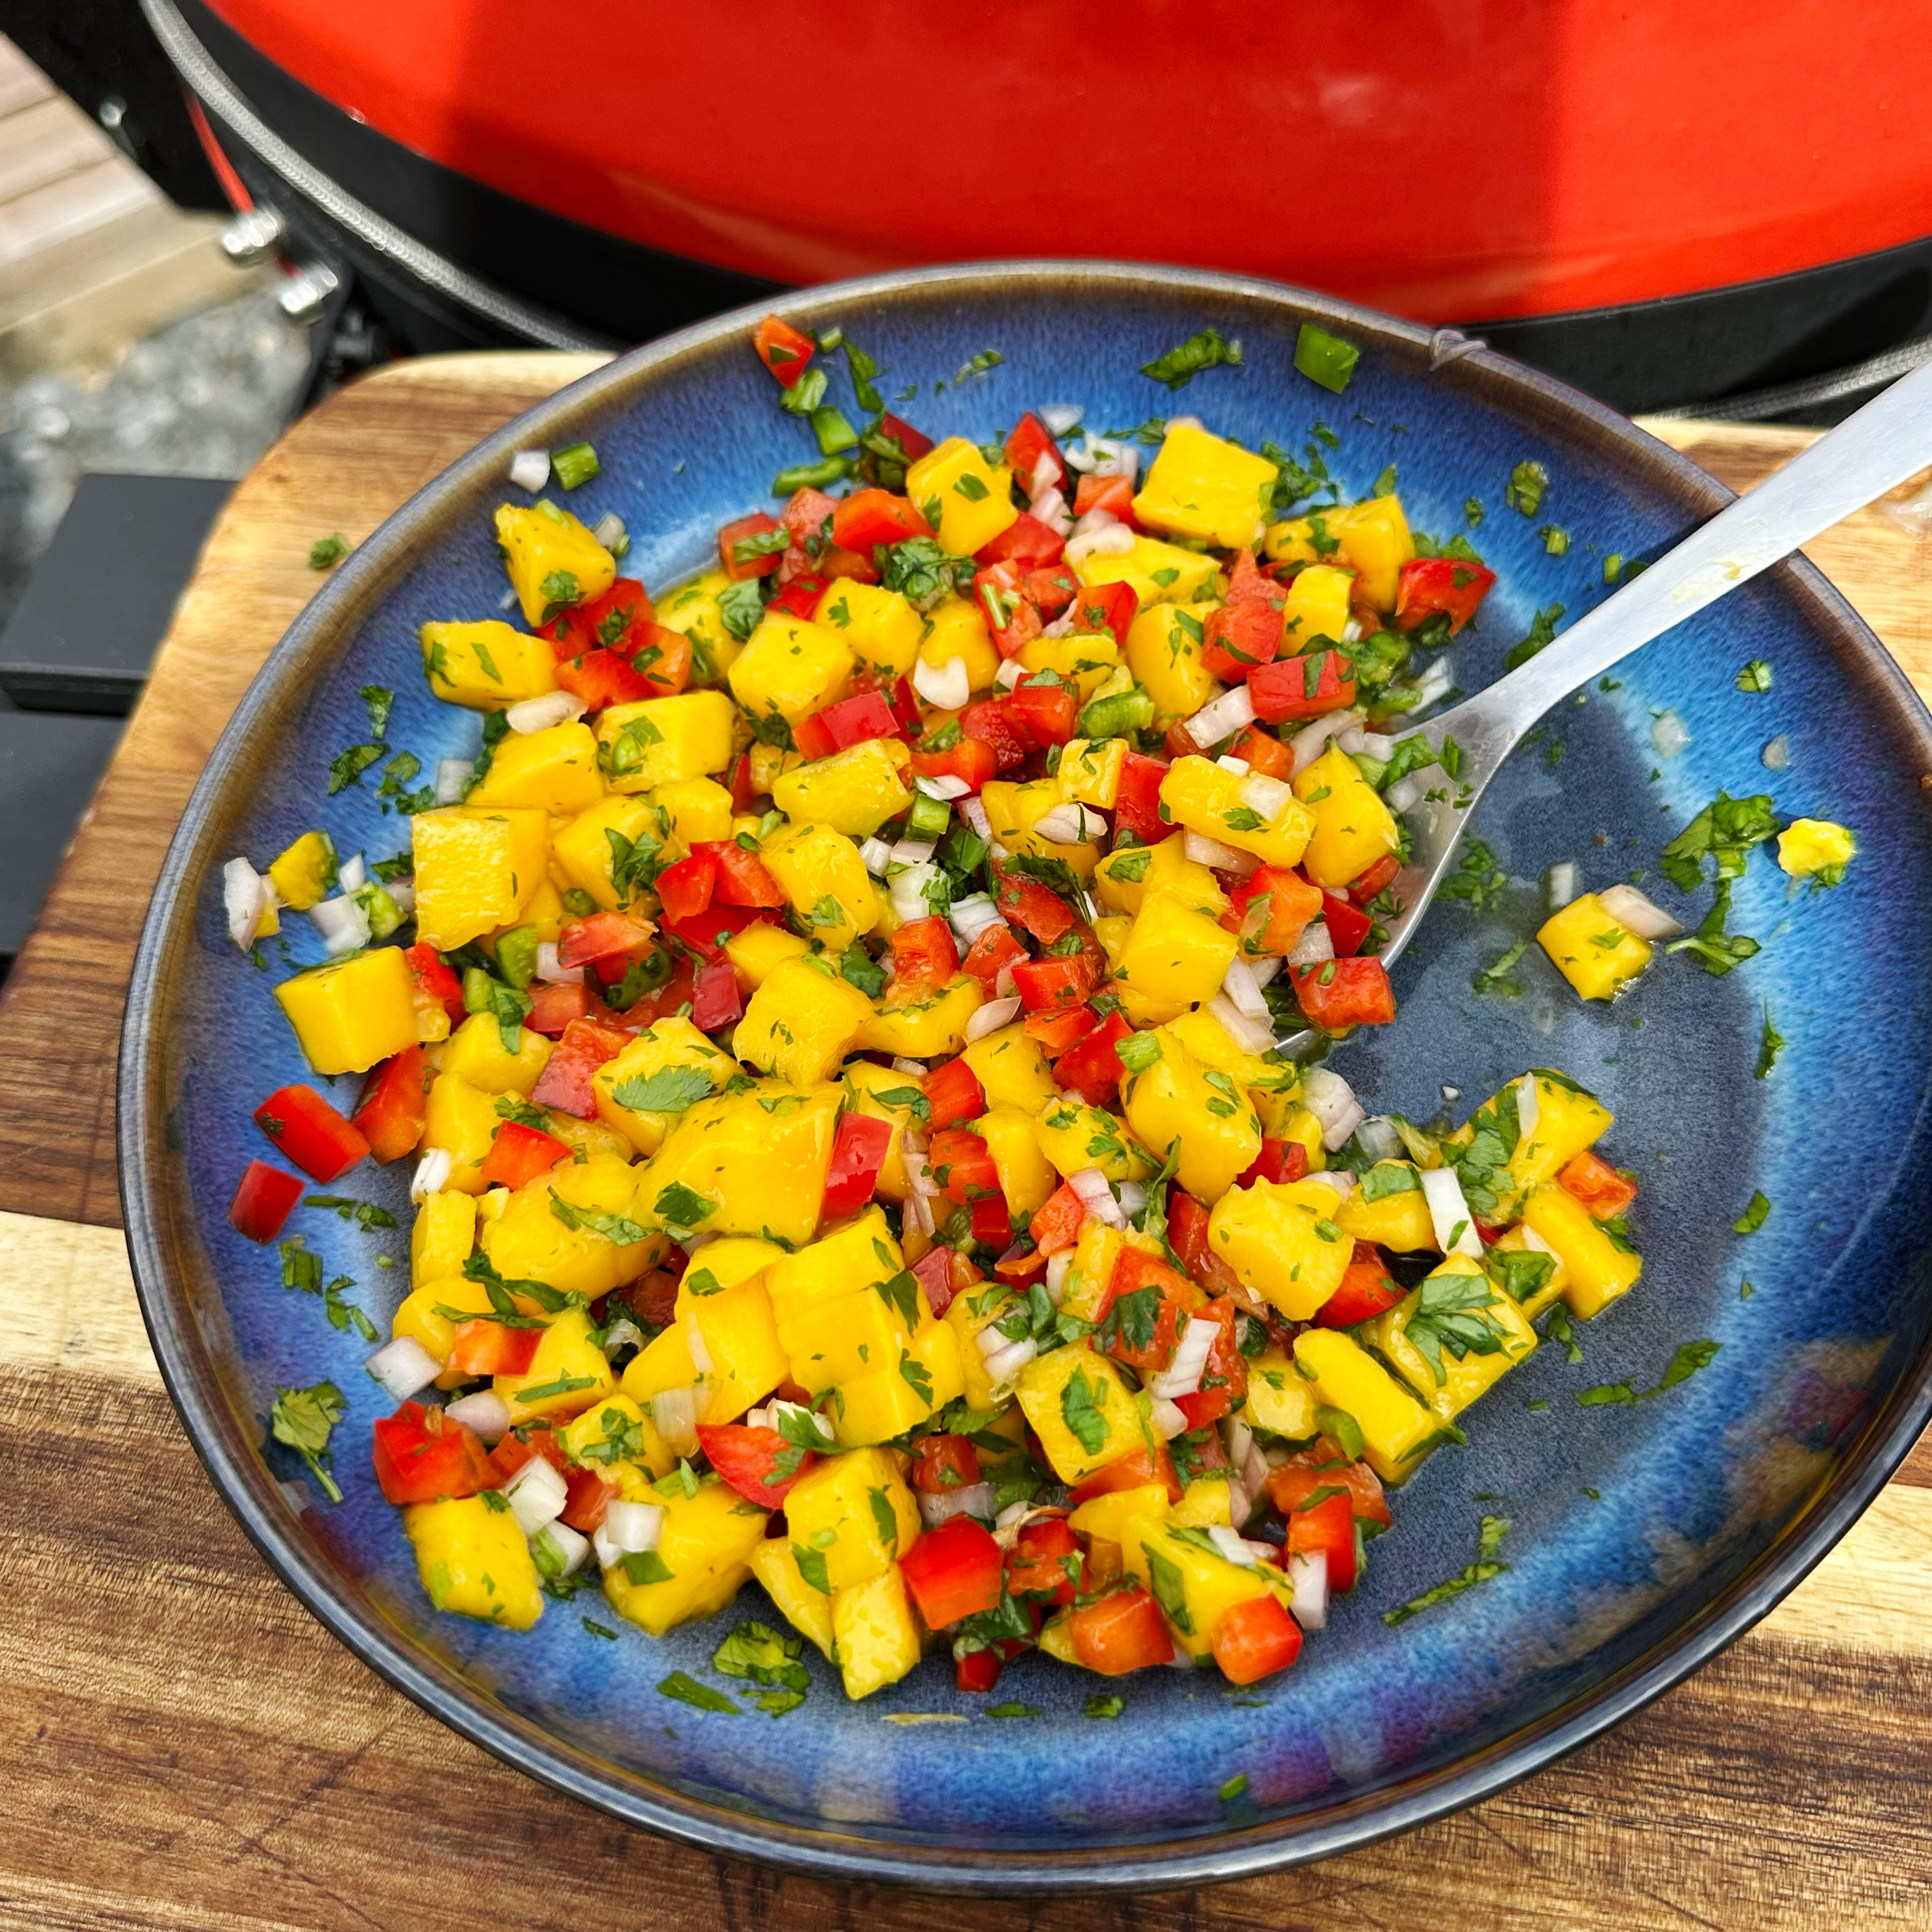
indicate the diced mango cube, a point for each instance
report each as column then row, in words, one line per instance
column 302, row 875
column 473, row 1560
column 877, row 1634
column 1201, row 485
column 1388, row 1208
column 808, row 1610
column 476, row 1054
column 878, row 626
column 1011, row 1069
column 968, row 501
column 1281, row 1400
column 856, row 1512
column 1353, row 827
column 587, row 849
column 486, row 666
column 1817, row 848
column 789, row 668
column 552, row 559
column 801, row 1023
column 822, row 874
column 1089, row 771
column 442, row 1237
column 1252, row 814
column 1081, row 1409
column 921, row 1023
column 854, row 791
column 1176, row 952
column 1164, row 644
column 693, row 611
column 553, row 770
column 668, row 1068
column 569, row 1373
column 1159, row 573
column 477, row 867
column 1597, row 1265
column 571, row 1251
column 1594, row 951
column 956, row 628
column 658, row 740
column 744, row 1164
column 350, row 1013
column 1462, row 1378
column 702, row 1557
column 1177, row 1102
column 1396, row 1430
column 1282, row 1240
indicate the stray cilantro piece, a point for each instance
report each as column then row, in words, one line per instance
column 327, row 551
column 599, row 1630
column 1753, row 1217
column 1756, row 676
column 1494, row 978
column 1206, row 350
column 1726, row 831
column 671, row 1090
column 1102, row 1705
column 1012, row 1711
column 1325, row 358
column 346, row 768
column 1542, row 632
column 1448, row 1315
column 1689, row 1358
column 303, row 1419
column 1714, row 949
column 1478, row 878
column 1524, row 491
column 618, row 1228
column 1769, row 1047
column 764, row 1656
column 1490, row 1540
column 681, row 1209
column 699, row 1696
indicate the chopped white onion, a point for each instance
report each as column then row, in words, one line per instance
column 908, row 891
column 1051, row 507
column 1250, row 1035
column 1561, row 883
column 1070, row 824
column 1432, row 684
column 1628, row 906
column 945, row 687
column 1009, row 674
column 402, row 895
column 622, row 1333
column 485, row 1414
column 675, row 1412
column 1046, row 475
column 1311, row 740
column 974, row 813
column 1222, row 717
column 875, row 853
column 432, row 1174
column 917, row 1068
column 908, row 852
column 1377, row 1138
column 1099, row 456
column 508, row 602
column 1669, row 734
column 344, row 925
column 1352, row 740
column 1308, row 1573
column 1332, row 1101
column 1007, row 1362
column 550, row 972
column 1265, row 968
column 1230, row 1543
column 452, row 779
column 970, row 916
column 403, row 1366
column 245, row 898
column 1529, row 1106
column 1405, row 795
column 1112, row 538
column 1338, row 1179
column 943, row 787
column 1455, row 1225
column 610, row 531
column 536, row 1495
column 918, row 1212
column 973, row 1499
column 562, row 1545
column 694, row 1340
column 1058, row 1267
column 991, row 1017
column 1169, row 1418
column 1776, row 756
column 1316, row 946
column 1132, row 1195
column 1182, row 1376
column 530, row 469
column 1268, row 796
column 628, row 1529
column 1229, row 762
column 1243, row 993
column 540, row 714
column 1206, row 851
column 353, row 874
column 1060, row 418
column 1097, row 1196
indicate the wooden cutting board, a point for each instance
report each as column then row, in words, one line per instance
column 185, row 1748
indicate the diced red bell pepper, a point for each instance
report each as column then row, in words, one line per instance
column 1137, row 804
column 554, row 1007
column 807, row 515
column 615, row 621
column 953, row 1094
column 663, row 660
column 1302, row 687
column 1051, row 590
column 1027, row 544
column 1292, row 1484
column 706, row 932
column 739, row 783
column 1247, row 582
column 859, row 1145
column 1281, row 1162
column 1348, row 924
column 992, row 1225
column 526, row 1443
column 1187, row 1226
column 990, row 954
column 1376, row 880
column 1224, row 1381
column 588, row 1494
column 1124, row 1631
column 602, row 678
column 1328, row 1525
column 1428, row 585
column 1056, row 1223
column 798, row 597
column 953, row 1571
column 263, row 1201
column 1270, row 910
column 914, row 443
column 486, row 1348
column 716, row 999
column 1011, row 620
column 1021, row 1264
column 934, row 1272
column 518, row 1154
column 1148, row 1347
column 743, row 877
column 421, row 1456
column 962, row 1166
column 990, row 723
column 742, row 530
column 1026, row 443
column 747, row 1457
column 1265, row 753
column 1366, row 1289
column 394, row 1110
column 1606, row 1191
column 943, row 1463
column 970, row 760
column 1045, row 1562
column 603, row 935
column 924, row 955
column 1132, row 1472
column 782, row 349
column 1255, row 1640
column 977, row 1672
column 1344, row 993
column 674, row 993
column 1237, row 639
column 852, row 721
column 869, row 517
column 1092, row 1068
column 1107, row 606
column 564, row 1082
column 1026, row 902
column 685, row 889
column 436, row 984
column 1045, row 713
column 1057, row 1030
column 1114, row 494
column 1066, row 980
column 310, row 1133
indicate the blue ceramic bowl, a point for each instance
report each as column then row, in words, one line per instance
column 1644, row 1536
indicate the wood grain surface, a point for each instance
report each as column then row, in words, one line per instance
column 186, row 1748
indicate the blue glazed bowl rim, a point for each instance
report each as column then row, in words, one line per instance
column 191, row 1371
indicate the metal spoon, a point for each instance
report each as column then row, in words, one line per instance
column 1870, row 452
